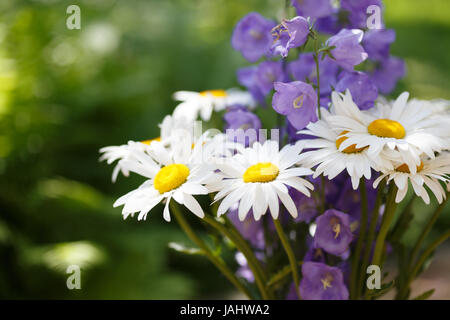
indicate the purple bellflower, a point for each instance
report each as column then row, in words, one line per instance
column 333, row 233
column 348, row 52
column 252, row 36
column 297, row 101
column 289, row 34
column 322, row 282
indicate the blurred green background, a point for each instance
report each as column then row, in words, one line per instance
column 66, row 93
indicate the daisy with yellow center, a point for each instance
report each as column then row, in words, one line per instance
column 398, row 126
column 330, row 160
column 204, row 103
column 430, row 173
column 256, row 177
column 176, row 173
column 170, row 129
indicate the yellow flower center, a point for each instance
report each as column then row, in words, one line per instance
column 387, row 128
column 326, row 282
column 335, row 226
column 151, row 140
column 405, row 169
column 298, row 102
column 171, row 177
column 261, row 172
column 215, row 93
column 349, row 149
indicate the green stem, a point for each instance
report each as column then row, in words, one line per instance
column 316, row 60
column 370, row 237
column 425, row 255
column 214, row 259
column 290, row 254
column 388, row 217
column 243, row 246
column 425, row 232
column 354, row 290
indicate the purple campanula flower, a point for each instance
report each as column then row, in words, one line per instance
column 252, row 36
column 362, row 88
column 377, row 43
column 289, row 34
column 322, row 282
column 305, row 68
column 313, row 8
column 348, row 52
column 357, row 11
column 267, row 73
column 333, row 232
column 388, row 73
column 238, row 121
column 247, row 77
column 297, row 100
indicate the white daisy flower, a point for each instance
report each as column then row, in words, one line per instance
column 258, row 176
column 429, row 173
column 406, row 128
column 170, row 129
column 331, row 160
column 121, row 153
column 204, row 103
column 177, row 173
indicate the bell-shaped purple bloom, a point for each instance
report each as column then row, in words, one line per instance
column 333, row 233
column 247, row 77
column 357, row 11
column 252, row 36
column 289, row 34
column 297, row 101
column 322, row 282
column 313, row 8
column 241, row 125
column 267, row 73
column 377, row 43
column 388, row 73
column 348, row 52
column 304, row 68
column 362, row 88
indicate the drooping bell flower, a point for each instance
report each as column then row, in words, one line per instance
column 267, row 73
column 241, row 125
column 322, row 282
column 347, row 52
column 252, row 36
column 333, row 232
column 296, row 100
column 289, row 34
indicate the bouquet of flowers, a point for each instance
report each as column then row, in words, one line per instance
column 311, row 211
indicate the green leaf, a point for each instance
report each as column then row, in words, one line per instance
column 280, row 275
column 425, row 295
column 183, row 249
column 385, row 288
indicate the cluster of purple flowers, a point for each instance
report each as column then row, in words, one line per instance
column 353, row 57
